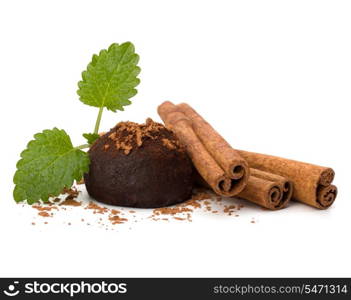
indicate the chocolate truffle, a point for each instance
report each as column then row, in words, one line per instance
column 139, row 165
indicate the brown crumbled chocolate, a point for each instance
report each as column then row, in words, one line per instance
column 44, row 208
column 126, row 136
column 44, row 214
column 117, row 219
column 229, row 209
column 170, row 210
column 72, row 193
column 187, row 207
column 70, row 202
column 196, row 199
column 97, row 208
column 201, row 198
column 138, row 134
column 169, row 144
column 192, row 202
column 113, row 136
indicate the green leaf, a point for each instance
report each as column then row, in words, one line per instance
column 91, row 137
column 49, row 164
column 110, row 78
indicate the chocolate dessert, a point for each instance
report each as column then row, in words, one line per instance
column 139, row 165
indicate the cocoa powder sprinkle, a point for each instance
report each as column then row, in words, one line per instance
column 201, row 199
column 70, row 202
column 44, row 214
column 126, row 136
column 96, row 208
column 117, row 219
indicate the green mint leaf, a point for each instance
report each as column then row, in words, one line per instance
column 91, row 137
column 49, row 164
column 110, row 78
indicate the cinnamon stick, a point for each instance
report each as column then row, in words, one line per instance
column 312, row 183
column 227, row 178
column 228, row 158
column 268, row 190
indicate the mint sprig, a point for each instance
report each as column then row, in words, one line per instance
column 110, row 79
column 91, row 137
column 50, row 162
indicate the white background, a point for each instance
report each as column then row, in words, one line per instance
column 271, row 76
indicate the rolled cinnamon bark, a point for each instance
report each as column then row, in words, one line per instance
column 204, row 160
column 227, row 157
column 312, row 183
column 268, row 190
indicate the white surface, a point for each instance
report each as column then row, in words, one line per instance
column 271, row 76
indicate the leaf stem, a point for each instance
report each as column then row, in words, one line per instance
column 84, row 146
column 98, row 120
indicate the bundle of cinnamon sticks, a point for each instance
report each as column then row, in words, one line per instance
column 266, row 180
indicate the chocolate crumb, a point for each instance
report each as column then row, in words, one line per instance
column 229, row 209
column 170, row 210
column 44, row 208
column 126, row 136
column 72, row 193
column 44, row 214
column 169, row 144
column 97, row 208
column 117, row 219
column 70, row 202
